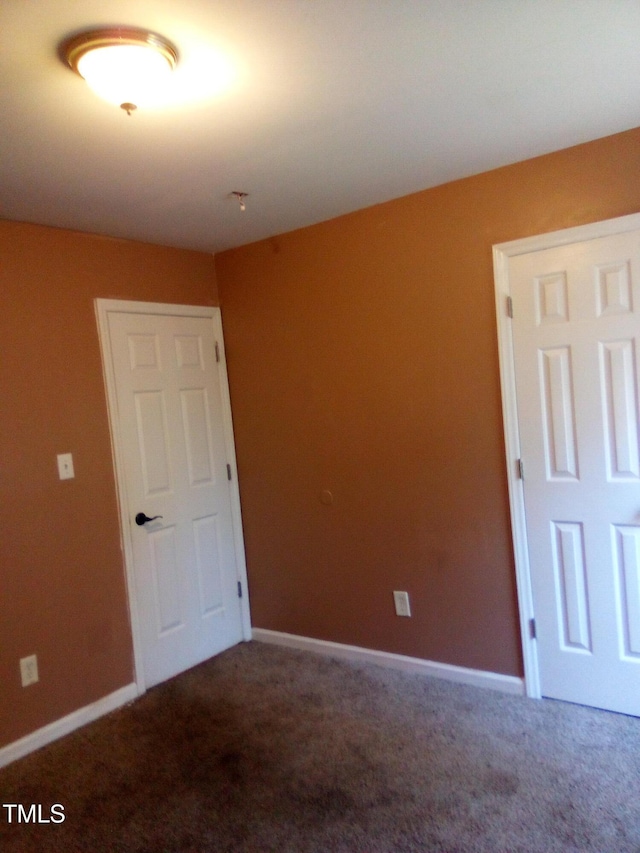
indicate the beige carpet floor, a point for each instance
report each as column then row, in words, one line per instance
column 265, row 750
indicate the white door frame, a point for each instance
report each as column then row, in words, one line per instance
column 102, row 308
column 501, row 254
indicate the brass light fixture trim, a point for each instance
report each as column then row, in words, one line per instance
column 76, row 46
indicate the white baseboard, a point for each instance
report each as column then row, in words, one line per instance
column 476, row 677
column 66, row 725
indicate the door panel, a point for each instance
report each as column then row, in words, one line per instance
column 151, row 428
column 172, row 444
column 571, row 585
column 576, row 337
column 559, row 414
column 166, row 581
column 627, row 559
column 209, row 564
column 619, row 383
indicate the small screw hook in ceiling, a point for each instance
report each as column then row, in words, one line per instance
column 241, row 197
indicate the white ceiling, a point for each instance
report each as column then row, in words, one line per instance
column 333, row 105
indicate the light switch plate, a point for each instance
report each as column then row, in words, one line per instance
column 65, row 466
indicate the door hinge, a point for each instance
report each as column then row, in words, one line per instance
column 239, row 590
column 217, row 352
column 228, row 471
column 520, row 467
column 509, row 307
column 532, row 629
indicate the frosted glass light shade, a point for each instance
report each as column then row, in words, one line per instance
column 122, row 66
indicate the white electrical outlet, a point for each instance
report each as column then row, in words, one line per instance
column 29, row 670
column 401, row 600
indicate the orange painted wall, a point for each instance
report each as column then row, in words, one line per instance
column 363, row 360
column 62, row 587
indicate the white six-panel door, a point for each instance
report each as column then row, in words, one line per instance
column 575, row 337
column 175, row 463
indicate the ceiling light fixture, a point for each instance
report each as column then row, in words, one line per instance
column 123, row 65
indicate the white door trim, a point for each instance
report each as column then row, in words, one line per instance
column 103, row 307
column 501, row 254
